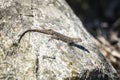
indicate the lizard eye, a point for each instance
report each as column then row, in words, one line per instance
column 80, row 39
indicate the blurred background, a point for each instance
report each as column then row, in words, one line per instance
column 101, row 18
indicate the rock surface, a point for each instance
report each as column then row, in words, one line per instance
column 37, row 57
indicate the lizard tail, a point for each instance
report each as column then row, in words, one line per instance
column 45, row 31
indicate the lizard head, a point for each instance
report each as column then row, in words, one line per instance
column 77, row 40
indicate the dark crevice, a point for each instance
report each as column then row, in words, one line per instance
column 37, row 67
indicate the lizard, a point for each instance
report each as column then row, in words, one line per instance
column 55, row 35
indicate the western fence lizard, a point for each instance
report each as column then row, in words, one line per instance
column 55, row 35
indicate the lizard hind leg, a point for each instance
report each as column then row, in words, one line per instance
column 53, row 37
